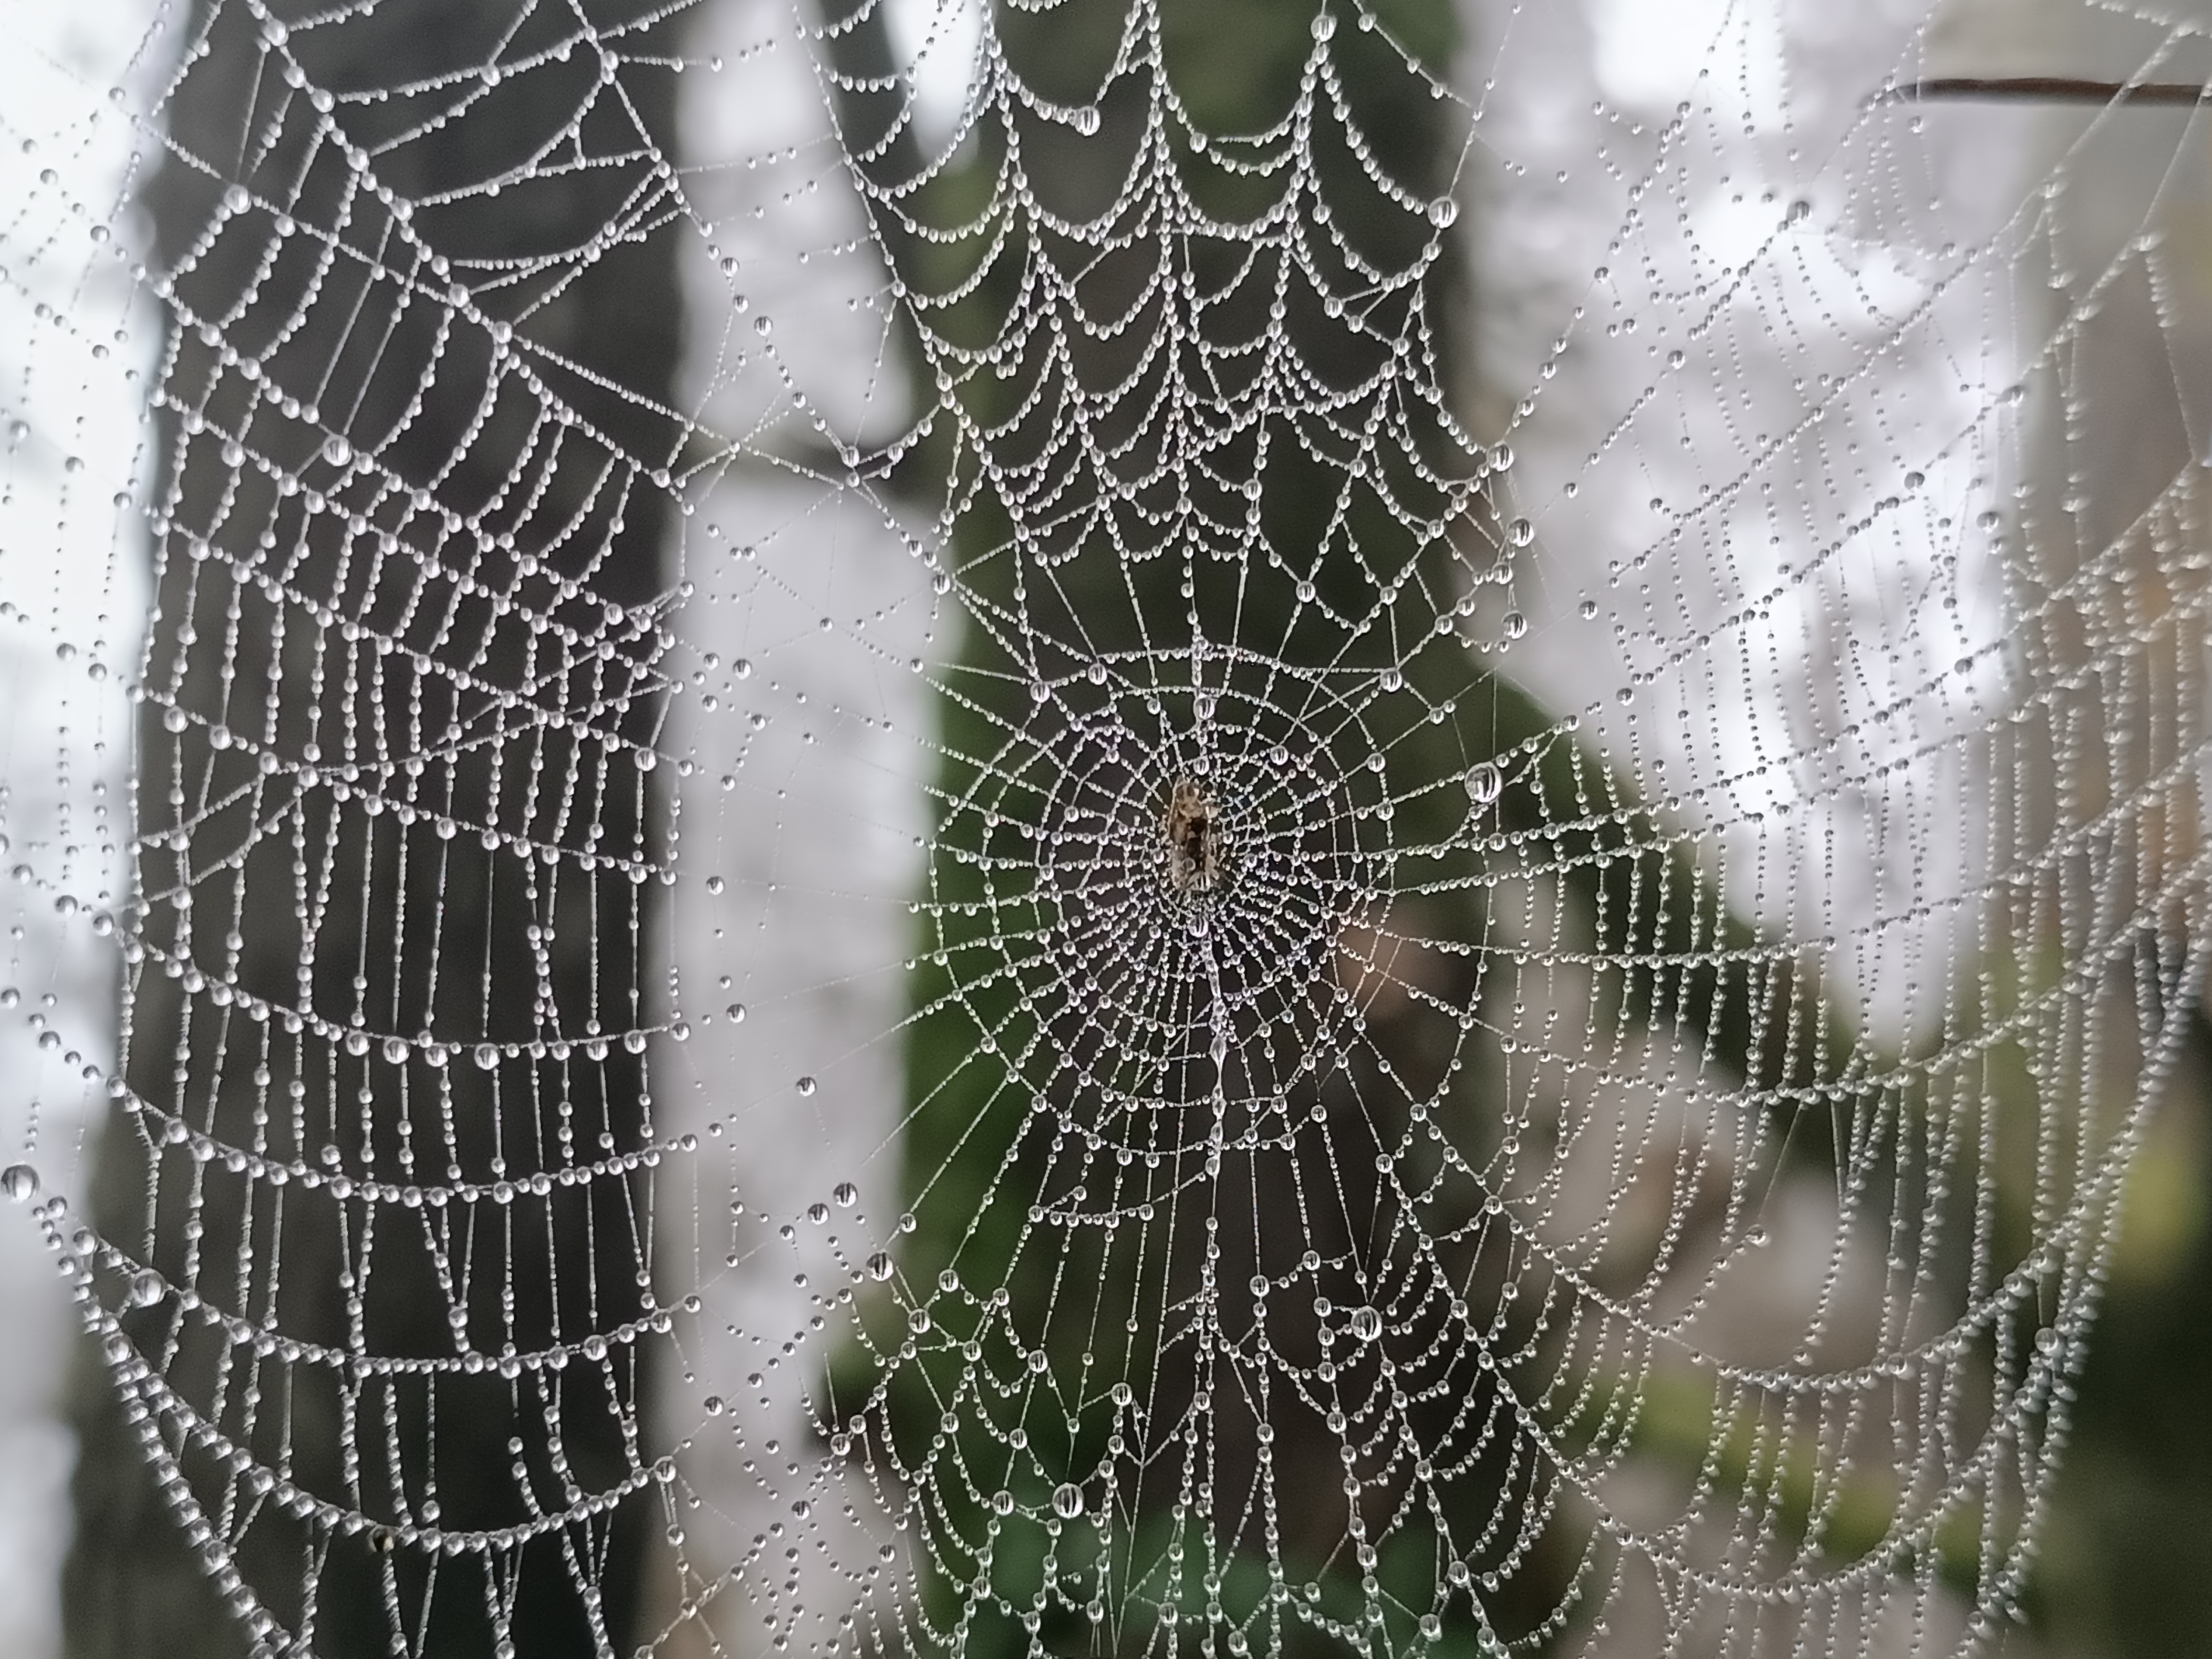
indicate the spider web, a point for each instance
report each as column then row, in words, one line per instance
column 913, row 871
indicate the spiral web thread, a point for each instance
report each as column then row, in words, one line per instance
column 1355, row 1160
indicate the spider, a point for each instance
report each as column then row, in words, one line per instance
column 1196, row 849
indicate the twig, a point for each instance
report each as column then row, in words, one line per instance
column 2046, row 89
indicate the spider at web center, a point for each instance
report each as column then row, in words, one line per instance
column 1197, row 844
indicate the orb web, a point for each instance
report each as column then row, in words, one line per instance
column 976, row 829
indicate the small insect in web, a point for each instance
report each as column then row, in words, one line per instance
column 1197, row 850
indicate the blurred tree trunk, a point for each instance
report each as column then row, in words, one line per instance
column 371, row 801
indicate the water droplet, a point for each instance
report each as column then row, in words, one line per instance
column 846, row 1194
column 1501, row 459
column 1324, row 25
column 1514, row 624
column 487, row 1056
column 879, row 1265
column 1003, row 1503
column 1483, row 783
column 806, row 1085
column 19, row 1181
column 735, row 1013
column 1366, row 1324
column 1520, row 532
column 817, row 1212
column 1442, row 213
column 1068, row 1500
column 336, row 451
column 146, row 1288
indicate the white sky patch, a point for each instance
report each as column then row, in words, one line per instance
column 74, row 463
column 1650, row 53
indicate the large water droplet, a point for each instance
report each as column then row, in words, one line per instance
column 1483, row 783
column 1366, row 1324
column 1068, row 1500
column 879, row 1265
column 146, row 1288
column 19, row 1181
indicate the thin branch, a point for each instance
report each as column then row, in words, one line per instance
column 2046, row 89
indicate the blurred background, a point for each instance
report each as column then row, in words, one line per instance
column 91, row 1563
